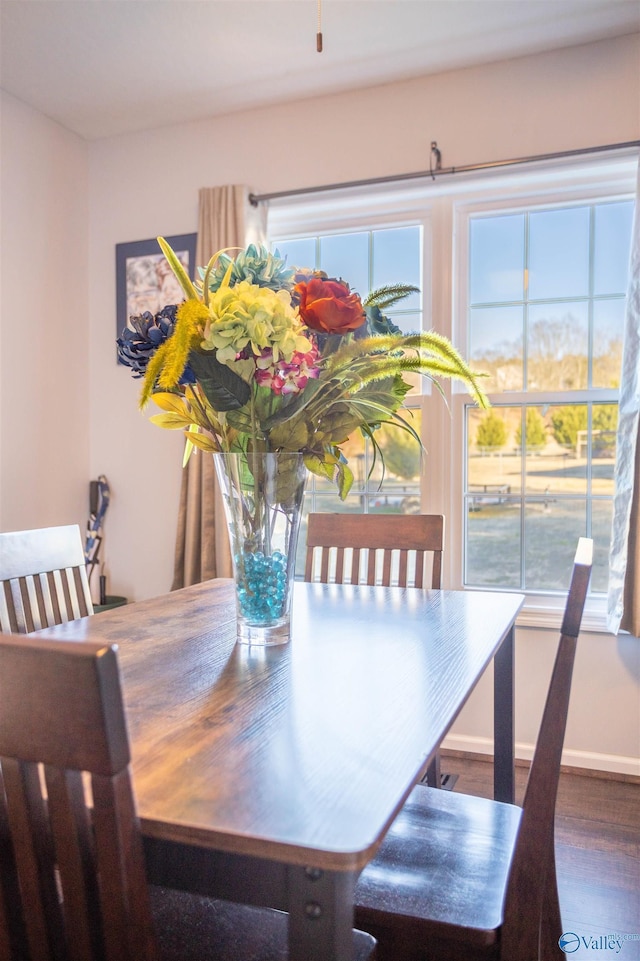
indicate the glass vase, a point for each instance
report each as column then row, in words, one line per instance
column 263, row 496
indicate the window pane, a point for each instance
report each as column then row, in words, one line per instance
column 495, row 346
column 559, row 253
column 298, row 253
column 496, row 265
column 346, row 256
column 603, row 442
column 567, row 448
column 601, row 516
column 612, row 244
column 494, row 463
column 552, row 529
column 409, row 323
column 556, row 450
column 493, row 542
column 402, row 461
column 397, row 260
column 558, row 346
column 608, row 327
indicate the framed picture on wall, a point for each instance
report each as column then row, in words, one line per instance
column 144, row 279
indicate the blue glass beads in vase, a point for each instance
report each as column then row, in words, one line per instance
column 263, row 495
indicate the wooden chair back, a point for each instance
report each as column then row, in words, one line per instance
column 532, row 888
column 43, row 579
column 72, row 880
column 382, row 543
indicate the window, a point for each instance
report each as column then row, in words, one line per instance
column 526, row 272
column 546, row 297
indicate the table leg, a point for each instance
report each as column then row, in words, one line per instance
column 320, row 914
column 503, row 721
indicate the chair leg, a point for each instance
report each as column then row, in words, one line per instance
column 551, row 918
column 433, row 777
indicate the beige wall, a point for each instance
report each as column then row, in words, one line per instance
column 145, row 184
column 45, row 379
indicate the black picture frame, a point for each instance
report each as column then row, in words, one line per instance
column 140, row 258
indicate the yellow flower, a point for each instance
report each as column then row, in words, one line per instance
column 169, row 361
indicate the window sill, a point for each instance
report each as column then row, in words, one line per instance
column 549, row 617
column 545, row 612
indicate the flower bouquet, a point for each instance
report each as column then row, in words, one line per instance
column 276, row 367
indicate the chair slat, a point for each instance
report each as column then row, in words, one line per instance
column 62, row 591
column 82, row 591
column 8, row 620
column 402, row 568
column 12, row 929
column 55, row 592
column 436, row 570
column 371, row 568
column 73, row 594
column 31, row 606
column 46, row 599
column 34, row 859
column 73, row 845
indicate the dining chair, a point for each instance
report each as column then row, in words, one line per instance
column 43, row 579
column 467, row 877
column 385, row 549
column 72, row 874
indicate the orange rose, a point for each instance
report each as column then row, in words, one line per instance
column 329, row 306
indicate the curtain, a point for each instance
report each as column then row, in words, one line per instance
column 623, row 608
column 225, row 219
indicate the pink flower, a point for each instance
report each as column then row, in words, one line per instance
column 283, row 377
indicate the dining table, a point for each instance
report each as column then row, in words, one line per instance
column 270, row 775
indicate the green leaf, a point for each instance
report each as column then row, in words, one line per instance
column 240, row 420
column 345, row 480
column 290, row 436
column 319, row 467
column 295, row 405
column 222, row 387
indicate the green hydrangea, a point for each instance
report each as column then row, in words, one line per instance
column 249, row 315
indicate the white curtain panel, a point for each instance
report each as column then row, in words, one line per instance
column 627, row 438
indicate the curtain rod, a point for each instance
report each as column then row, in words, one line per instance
column 439, row 171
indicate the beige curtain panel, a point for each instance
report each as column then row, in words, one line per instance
column 225, row 219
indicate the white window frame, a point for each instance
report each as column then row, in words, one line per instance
column 443, row 208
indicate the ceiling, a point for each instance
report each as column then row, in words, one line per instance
column 108, row 67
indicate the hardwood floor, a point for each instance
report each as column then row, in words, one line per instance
column 597, row 851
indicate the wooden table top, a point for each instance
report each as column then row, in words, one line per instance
column 301, row 753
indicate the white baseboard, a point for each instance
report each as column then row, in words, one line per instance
column 590, row 760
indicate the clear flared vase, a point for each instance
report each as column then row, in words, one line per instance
column 263, row 496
